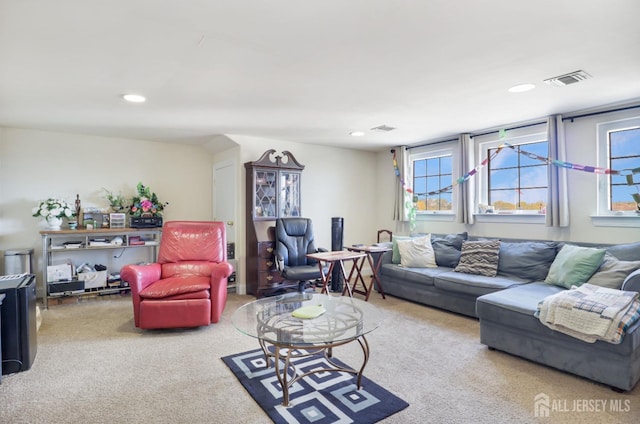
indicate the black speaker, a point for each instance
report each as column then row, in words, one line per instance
column 336, row 244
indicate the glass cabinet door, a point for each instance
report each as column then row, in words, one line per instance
column 289, row 202
column 265, row 194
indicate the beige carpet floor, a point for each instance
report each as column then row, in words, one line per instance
column 94, row 366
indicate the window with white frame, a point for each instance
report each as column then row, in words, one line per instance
column 514, row 178
column 432, row 169
column 619, row 151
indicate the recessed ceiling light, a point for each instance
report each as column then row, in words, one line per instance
column 134, row 98
column 521, row 88
column 356, row 133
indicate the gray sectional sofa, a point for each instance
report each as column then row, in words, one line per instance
column 506, row 303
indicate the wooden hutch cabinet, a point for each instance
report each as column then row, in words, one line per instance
column 273, row 191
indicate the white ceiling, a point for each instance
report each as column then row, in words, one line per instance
column 308, row 71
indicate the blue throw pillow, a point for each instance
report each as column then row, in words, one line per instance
column 626, row 251
column 447, row 248
column 527, row 260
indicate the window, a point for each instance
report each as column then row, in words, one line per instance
column 618, row 150
column 432, row 171
column 513, row 180
column 517, row 179
column 429, row 177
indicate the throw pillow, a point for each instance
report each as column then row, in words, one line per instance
column 395, row 253
column 447, row 248
column 417, row 253
column 479, row 257
column 613, row 272
column 626, row 251
column 528, row 260
column 574, row 265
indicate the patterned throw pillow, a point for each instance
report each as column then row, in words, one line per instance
column 479, row 257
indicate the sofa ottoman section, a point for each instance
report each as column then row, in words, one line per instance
column 507, row 323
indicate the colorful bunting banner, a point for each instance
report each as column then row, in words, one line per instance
column 411, row 205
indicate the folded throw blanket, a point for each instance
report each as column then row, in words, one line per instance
column 591, row 313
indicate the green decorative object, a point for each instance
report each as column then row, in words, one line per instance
column 308, row 312
column 630, row 182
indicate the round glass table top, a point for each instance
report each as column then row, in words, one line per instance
column 307, row 319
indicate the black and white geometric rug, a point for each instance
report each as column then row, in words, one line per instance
column 321, row 398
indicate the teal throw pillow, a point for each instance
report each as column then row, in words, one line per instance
column 395, row 257
column 574, row 265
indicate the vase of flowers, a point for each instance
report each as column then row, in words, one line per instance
column 145, row 209
column 53, row 211
column 146, row 203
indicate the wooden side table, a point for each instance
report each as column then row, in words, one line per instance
column 373, row 255
column 338, row 257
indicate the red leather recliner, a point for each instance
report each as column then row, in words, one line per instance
column 187, row 287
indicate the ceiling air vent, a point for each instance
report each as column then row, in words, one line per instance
column 567, row 79
column 384, row 128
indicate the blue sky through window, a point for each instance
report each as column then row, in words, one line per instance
column 517, row 181
column 624, row 154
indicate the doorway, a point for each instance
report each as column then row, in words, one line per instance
column 224, row 205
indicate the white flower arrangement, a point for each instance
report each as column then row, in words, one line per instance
column 56, row 208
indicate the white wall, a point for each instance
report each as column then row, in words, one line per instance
column 39, row 164
column 581, row 140
column 336, row 182
column 35, row 165
column 386, row 181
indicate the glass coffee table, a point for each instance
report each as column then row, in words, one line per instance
column 298, row 324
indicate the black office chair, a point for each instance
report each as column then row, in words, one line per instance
column 294, row 240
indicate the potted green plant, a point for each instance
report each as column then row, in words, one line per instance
column 116, row 201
